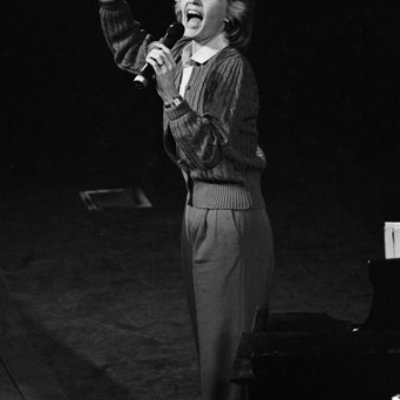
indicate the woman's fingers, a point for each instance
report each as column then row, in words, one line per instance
column 154, row 64
column 157, row 56
column 161, row 54
column 161, row 60
column 165, row 51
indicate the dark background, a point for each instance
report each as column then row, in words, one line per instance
column 327, row 73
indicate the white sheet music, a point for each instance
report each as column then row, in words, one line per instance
column 392, row 240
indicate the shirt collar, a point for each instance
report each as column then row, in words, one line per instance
column 205, row 52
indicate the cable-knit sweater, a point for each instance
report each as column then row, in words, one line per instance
column 212, row 136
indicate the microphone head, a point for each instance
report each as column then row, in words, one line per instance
column 174, row 32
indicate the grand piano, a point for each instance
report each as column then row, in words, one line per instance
column 307, row 356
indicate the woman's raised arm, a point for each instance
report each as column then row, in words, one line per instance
column 124, row 35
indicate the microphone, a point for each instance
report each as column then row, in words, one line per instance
column 174, row 33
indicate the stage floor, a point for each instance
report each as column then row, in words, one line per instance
column 101, row 295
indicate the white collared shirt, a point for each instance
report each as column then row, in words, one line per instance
column 202, row 55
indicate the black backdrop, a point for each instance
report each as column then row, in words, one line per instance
column 327, row 73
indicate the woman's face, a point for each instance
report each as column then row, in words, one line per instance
column 203, row 19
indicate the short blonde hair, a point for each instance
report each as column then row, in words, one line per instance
column 239, row 23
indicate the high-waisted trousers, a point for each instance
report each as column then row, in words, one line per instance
column 228, row 263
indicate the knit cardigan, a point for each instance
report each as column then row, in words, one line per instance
column 212, row 135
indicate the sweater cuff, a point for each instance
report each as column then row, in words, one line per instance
column 176, row 112
column 111, row 4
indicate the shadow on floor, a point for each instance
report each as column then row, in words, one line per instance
column 74, row 374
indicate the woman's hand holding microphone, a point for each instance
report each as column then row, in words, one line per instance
column 160, row 58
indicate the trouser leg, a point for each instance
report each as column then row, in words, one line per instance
column 187, row 264
column 228, row 263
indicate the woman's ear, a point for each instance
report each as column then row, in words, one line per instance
column 228, row 24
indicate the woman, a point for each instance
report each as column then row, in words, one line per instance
column 210, row 101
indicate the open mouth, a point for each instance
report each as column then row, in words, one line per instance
column 193, row 17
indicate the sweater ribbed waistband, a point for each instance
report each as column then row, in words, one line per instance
column 227, row 195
